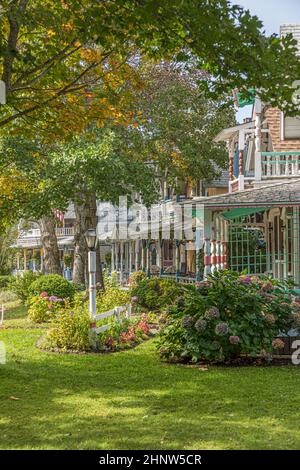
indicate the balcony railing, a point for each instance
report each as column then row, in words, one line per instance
column 60, row 232
column 280, row 164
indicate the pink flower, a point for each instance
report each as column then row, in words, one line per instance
column 234, row 339
column 43, row 295
column 270, row 318
column 278, row 343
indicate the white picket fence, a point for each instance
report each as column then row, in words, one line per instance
column 117, row 312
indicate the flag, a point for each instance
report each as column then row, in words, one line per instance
column 58, row 215
column 240, row 101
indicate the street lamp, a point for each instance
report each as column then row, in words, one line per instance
column 91, row 241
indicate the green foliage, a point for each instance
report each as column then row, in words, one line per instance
column 69, row 331
column 42, row 308
column 4, row 281
column 224, row 39
column 112, row 297
column 155, row 293
column 53, row 284
column 21, row 284
column 136, row 277
column 225, row 317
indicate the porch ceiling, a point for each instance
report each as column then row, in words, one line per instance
column 275, row 195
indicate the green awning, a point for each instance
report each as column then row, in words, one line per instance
column 241, row 212
column 242, row 101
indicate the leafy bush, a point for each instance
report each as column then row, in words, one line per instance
column 4, row 281
column 156, row 293
column 53, row 284
column 21, row 284
column 42, row 308
column 225, row 317
column 136, row 278
column 112, row 297
column 69, row 331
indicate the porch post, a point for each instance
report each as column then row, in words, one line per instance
column 136, row 255
column 33, row 261
column 25, row 260
column 112, row 257
column 296, row 245
column 148, row 258
column 121, row 260
column 177, row 244
column 161, row 258
column 143, row 255
column 42, row 260
column 130, row 257
column 257, row 162
column 207, row 243
column 18, row 261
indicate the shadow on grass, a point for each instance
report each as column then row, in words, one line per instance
column 130, row 400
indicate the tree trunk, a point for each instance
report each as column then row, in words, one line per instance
column 50, row 246
column 86, row 217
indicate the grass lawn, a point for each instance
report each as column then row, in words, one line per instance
column 130, row 400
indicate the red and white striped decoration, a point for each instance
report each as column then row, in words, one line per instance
column 58, row 215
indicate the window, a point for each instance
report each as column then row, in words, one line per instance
column 291, row 128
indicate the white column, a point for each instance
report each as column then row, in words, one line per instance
column 92, row 283
column 33, row 262
column 25, row 261
column 177, row 258
column 121, row 260
column 136, row 255
column 148, row 258
column 112, row 257
column 257, row 164
column 143, row 256
column 130, row 257
column 18, row 261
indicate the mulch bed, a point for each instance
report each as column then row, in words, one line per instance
column 243, row 361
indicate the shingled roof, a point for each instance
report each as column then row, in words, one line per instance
column 280, row 194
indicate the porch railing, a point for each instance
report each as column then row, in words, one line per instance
column 60, row 232
column 280, row 164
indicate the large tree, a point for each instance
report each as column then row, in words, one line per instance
column 178, row 124
column 91, row 166
column 54, row 54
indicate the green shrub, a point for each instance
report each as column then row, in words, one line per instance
column 4, row 281
column 53, row 284
column 43, row 308
column 21, row 284
column 112, row 297
column 70, row 331
column 156, row 293
column 136, row 278
column 225, row 317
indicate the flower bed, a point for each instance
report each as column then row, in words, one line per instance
column 228, row 317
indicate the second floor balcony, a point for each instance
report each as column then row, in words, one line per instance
column 36, row 233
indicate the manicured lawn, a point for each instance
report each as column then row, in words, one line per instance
column 130, row 400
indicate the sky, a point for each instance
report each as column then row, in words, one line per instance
column 272, row 13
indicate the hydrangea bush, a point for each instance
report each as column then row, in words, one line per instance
column 42, row 308
column 227, row 316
